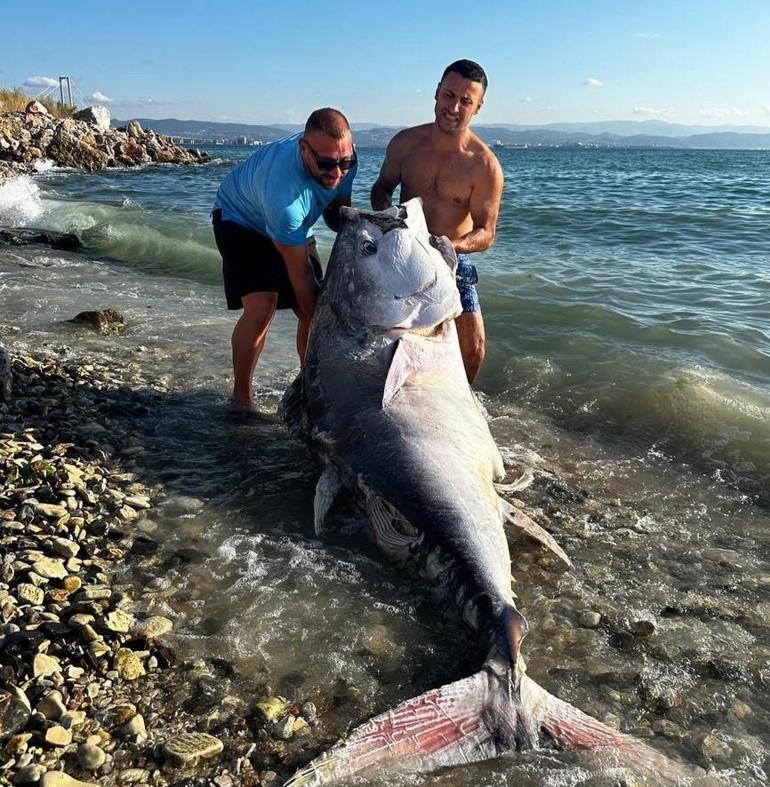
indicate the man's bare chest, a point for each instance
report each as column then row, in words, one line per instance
column 445, row 179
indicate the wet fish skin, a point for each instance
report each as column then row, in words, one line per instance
column 384, row 401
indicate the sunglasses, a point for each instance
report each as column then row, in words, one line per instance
column 328, row 164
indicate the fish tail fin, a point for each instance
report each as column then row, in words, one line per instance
column 450, row 725
column 570, row 728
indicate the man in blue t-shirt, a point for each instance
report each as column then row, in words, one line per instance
column 263, row 215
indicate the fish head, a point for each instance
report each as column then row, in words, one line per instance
column 396, row 275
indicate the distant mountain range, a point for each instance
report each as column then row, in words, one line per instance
column 607, row 134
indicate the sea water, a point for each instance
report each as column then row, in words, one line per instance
column 626, row 306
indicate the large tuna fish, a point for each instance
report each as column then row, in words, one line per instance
column 384, row 401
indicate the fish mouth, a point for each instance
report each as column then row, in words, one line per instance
column 425, row 287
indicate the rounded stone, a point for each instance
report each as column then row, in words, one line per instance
column 714, row 749
column 43, row 665
column 51, row 706
column 58, row 736
column 644, row 627
column 90, row 756
column 589, row 619
column 153, row 627
column 50, row 568
column 29, row 774
column 127, row 664
column 61, row 779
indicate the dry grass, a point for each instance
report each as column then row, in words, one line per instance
column 16, row 100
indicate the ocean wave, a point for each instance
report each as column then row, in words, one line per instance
column 20, row 202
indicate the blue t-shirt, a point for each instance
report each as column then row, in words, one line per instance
column 272, row 193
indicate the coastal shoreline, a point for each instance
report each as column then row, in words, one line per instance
column 92, row 690
column 582, row 645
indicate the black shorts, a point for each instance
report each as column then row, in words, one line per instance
column 251, row 263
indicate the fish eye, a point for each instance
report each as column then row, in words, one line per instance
column 368, row 248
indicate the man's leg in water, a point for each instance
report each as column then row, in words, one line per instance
column 248, row 340
column 470, row 332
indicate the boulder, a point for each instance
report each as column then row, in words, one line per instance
column 68, row 150
column 103, row 321
column 98, row 117
column 134, row 129
column 36, row 108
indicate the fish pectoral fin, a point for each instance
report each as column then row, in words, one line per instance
column 514, row 516
column 450, row 725
column 329, row 484
column 405, row 362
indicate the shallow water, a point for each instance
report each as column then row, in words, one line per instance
column 638, row 394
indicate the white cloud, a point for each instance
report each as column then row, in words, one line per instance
column 647, row 35
column 526, row 100
column 593, row 82
column 766, row 109
column 651, row 111
column 40, row 82
column 722, row 112
column 100, row 98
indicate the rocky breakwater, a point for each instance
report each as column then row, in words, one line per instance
column 85, row 141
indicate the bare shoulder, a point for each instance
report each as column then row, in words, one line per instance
column 485, row 165
column 407, row 140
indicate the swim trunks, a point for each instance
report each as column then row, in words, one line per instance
column 467, row 278
column 251, row 263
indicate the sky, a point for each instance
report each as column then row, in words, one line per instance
column 698, row 62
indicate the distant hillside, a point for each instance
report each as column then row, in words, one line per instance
column 641, row 134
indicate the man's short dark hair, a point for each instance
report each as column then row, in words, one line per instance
column 467, row 69
column 328, row 121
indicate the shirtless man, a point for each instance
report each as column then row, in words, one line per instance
column 460, row 182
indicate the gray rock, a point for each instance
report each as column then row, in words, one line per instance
column 103, row 321
column 14, row 712
column 134, row 129
column 6, row 378
column 29, row 774
column 284, row 729
column 589, row 619
column 98, row 117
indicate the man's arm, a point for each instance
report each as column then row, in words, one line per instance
column 332, row 213
column 301, row 276
column 484, row 207
column 390, row 176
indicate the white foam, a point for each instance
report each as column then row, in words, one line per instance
column 43, row 165
column 20, row 202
